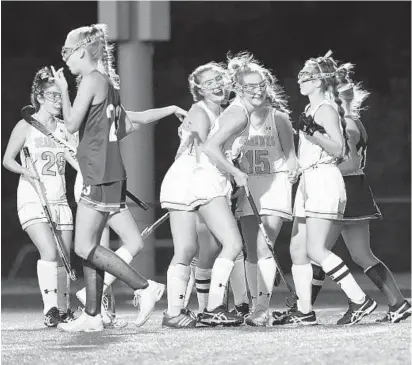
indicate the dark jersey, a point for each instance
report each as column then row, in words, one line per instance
column 98, row 152
column 362, row 145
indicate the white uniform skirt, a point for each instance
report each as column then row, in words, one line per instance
column 271, row 193
column 321, row 193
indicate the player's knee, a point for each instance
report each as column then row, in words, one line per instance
column 48, row 255
column 135, row 247
column 263, row 251
column 185, row 256
column 364, row 261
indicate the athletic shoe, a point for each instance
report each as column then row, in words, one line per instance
column 299, row 318
column 241, row 310
column 67, row 316
column 52, row 317
column 356, row 312
column 81, row 295
column 218, row 316
column 146, row 299
column 395, row 315
column 84, row 323
column 186, row 319
column 278, row 317
column 259, row 318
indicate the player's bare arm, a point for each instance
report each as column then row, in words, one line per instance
column 75, row 115
column 232, row 122
column 200, row 127
column 153, row 115
column 353, row 161
column 329, row 119
column 16, row 141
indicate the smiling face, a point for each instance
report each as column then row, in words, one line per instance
column 50, row 100
column 254, row 88
column 212, row 85
column 308, row 84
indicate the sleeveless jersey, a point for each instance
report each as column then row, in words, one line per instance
column 233, row 147
column 310, row 154
column 186, row 146
column 361, row 147
column 50, row 163
column 262, row 152
column 98, row 153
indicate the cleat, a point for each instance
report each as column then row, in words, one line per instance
column 299, row 318
column 396, row 315
column 67, row 316
column 104, row 310
column 52, row 317
column 115, row 323
column 146, row 299
column 241, row 310
column 356, row 312
column 278, row 317
column 220, row 316
column 84, row 323
column 259, row 318
column 186, row 319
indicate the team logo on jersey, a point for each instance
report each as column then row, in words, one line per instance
column 268, row 128
column 86, row 190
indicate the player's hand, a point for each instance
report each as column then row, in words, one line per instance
column 59, row 79
column 180, row 113
column 293, row 175
column 239, row 193
column 241, row 179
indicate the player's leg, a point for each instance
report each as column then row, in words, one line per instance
column 266, row 267
column 317, row 235
column 250, row 233
column 183, row 227
column 357, row 240
column 209, row 250
column 192, row 280
column 217, row 214
column 42, row 238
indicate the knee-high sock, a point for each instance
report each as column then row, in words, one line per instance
column 383, row 279
column 251, row 275
column 267, row 270
column 336, row 269
column 317, row 281
column 177, row 279
column 202, row 278
column 220, row 277
column 94, row 288
column 47, row 277
column 63, row 289
column 107, row 260
column 125, row 255
column 238, row 280
column 302, row 277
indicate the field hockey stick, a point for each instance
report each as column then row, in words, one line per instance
column 46, row 208
column 270, row 246
column 149, row 230
column 27, row 114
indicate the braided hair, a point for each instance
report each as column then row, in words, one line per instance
column 245, row 63
column 95, row 39
column 42, row 80
column 327, row 66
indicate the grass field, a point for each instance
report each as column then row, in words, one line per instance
column 25, row 340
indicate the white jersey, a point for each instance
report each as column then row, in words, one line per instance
column 233, row 147
column 310, row 154
column 50, row 162
column 186, row 146
column 262, row 152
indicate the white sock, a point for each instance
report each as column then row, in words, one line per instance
column 302, row 277
column 125, row 256
column 336, row 269
column 267, row 269
column 177, row 278
column 202, row 278
column 238, row 280
column 251, row 274
column 218, row 283
column 190, row 284
column 63, row 289
column 47, row 276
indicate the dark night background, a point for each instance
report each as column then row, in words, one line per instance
column 373, row 35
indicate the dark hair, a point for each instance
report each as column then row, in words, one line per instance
column 330, row 75
column 42, row 80
column 245, row 63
